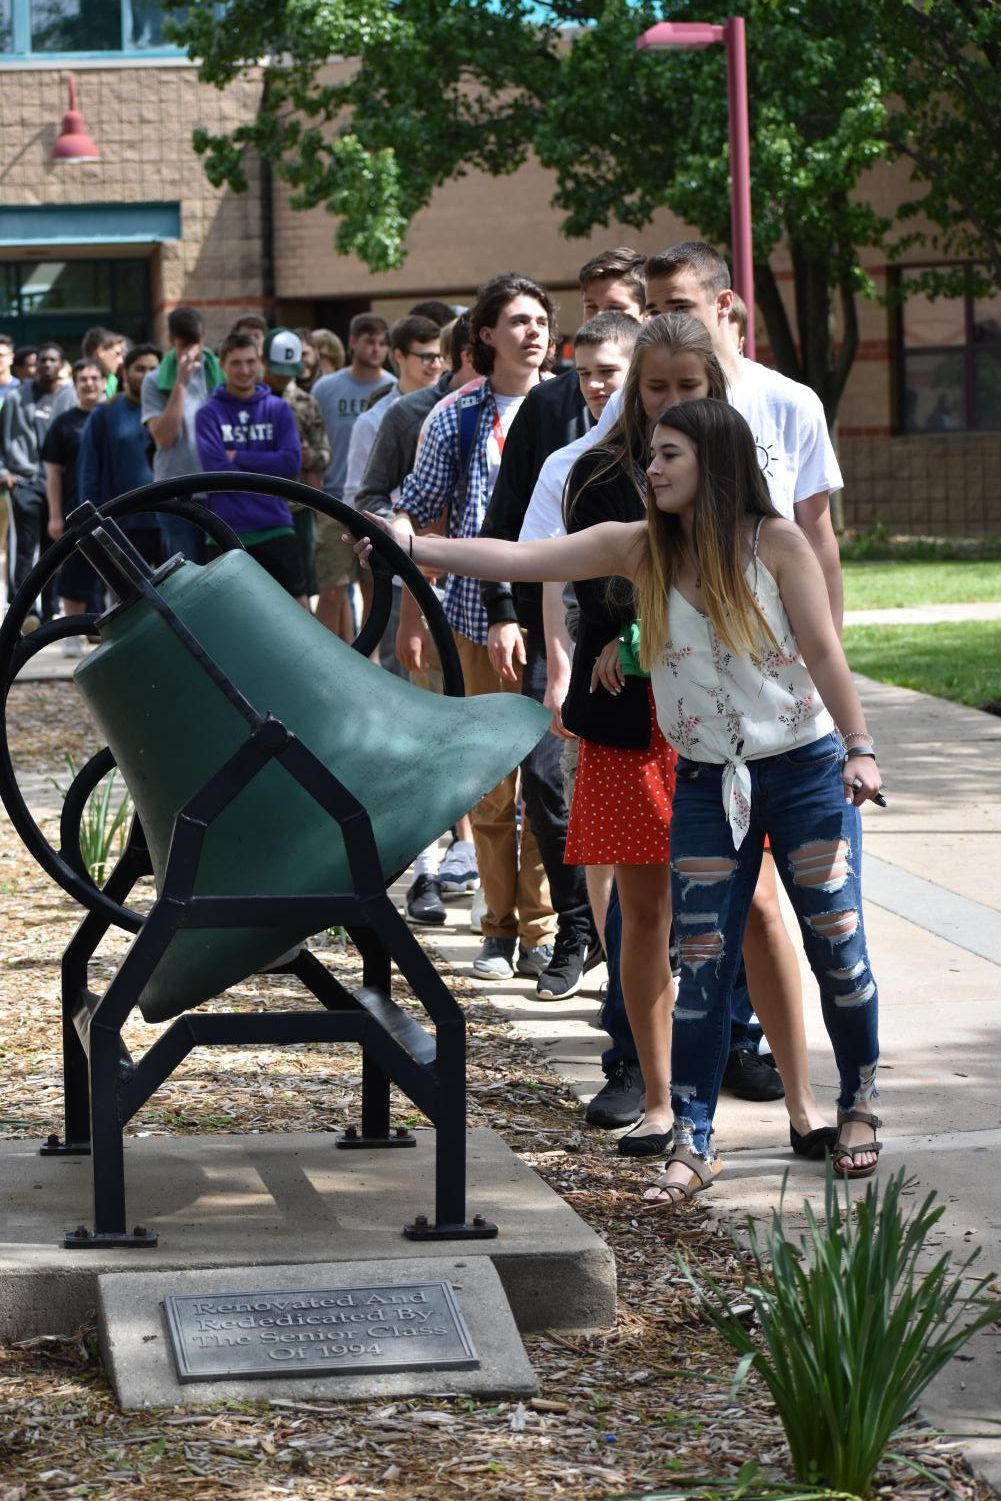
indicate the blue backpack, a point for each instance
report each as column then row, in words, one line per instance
column 471, row 409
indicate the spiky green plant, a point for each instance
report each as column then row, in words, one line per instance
column 852, row 1323
column 104, row 825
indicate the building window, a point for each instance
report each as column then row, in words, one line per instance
column 60, row 299
column 950, row 358
column 82, row 28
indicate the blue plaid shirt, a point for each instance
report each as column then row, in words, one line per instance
column 431, row 489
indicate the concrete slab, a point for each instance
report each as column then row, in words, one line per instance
column 135, row 1344
column 903, row 718
column 260, row 1201
column 50, row 665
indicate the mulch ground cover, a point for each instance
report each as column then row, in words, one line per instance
column 642, row 1407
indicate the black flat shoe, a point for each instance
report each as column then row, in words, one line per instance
column 814, row 1145
column 653, row 1145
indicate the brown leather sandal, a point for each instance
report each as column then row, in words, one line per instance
column 703, row 1175
column 844, row 1156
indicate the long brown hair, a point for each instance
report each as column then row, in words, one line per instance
column 730, row 489
column 626, row 445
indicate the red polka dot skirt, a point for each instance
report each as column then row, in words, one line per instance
column 621, row 809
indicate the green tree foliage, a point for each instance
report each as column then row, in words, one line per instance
column 430, row 90
column 657, row 127
column 947, row 125
column 409, row 114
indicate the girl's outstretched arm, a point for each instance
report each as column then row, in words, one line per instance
column 792, row 561
column 612, row 548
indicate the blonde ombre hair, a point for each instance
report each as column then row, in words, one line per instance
column 731, row 488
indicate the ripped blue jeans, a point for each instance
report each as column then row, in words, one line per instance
column 797, row 799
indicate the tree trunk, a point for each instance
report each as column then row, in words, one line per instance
column 773, row 310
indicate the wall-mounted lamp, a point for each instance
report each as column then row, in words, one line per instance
column 74, row 144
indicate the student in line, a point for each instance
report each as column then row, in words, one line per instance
column 754, row 693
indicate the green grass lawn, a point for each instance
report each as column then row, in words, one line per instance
column 882, row 585
column 961, row 661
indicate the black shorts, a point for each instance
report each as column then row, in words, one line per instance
column 79, row 582
column 280, row 556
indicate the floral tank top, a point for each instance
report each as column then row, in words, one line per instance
column 723, row 708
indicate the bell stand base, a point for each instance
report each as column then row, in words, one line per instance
column 55, row 1147
column 93, row 1077
column 476, row 1229
column 82, row 1239
column 352, row 1138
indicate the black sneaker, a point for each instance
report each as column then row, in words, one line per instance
column 622, row 1099
column 595, row 955
column 751, row 1077
column 424, row 904
column 565, row 970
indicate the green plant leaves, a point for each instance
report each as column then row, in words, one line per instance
column 851, row 1324
column 104, row 825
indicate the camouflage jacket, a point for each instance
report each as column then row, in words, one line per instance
column 312, row 433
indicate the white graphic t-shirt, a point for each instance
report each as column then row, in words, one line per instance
column 790, row 431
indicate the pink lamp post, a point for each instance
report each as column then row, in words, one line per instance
column 680, row 35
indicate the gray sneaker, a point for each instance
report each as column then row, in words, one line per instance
column 457, row 871
column 495, row 961
column 533, row 962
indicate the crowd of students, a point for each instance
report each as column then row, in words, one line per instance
column 718, row 738
column 643, row 543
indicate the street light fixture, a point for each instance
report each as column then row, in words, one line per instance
column 689, row 35
column 74, row 144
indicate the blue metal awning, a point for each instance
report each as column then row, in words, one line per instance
column 89, row 224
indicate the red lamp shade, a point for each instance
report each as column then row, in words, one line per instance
column 74, row 144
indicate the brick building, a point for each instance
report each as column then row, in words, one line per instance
column 121, row 240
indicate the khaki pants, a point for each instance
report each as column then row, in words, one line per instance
column 514, row 885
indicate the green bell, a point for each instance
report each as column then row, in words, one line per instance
column 415, row 760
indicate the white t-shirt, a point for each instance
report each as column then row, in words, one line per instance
column 507, row 411
column 787, row 419
column 794, row 447
column 544, row 517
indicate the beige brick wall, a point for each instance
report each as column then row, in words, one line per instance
column 925, row 484
column 141, row 119
column 473, row 228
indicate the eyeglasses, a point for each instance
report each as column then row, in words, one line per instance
column 427, row 360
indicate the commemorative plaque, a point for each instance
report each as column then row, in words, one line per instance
column 332, row 1331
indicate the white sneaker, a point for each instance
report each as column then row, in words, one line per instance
column 72, row 646
column 477, row 911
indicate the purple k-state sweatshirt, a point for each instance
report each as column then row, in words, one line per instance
column 263, row 434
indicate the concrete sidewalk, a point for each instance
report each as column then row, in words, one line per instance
column 926, row 614
column 933, row 914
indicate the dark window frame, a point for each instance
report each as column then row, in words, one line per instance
column 967, row 350
column 25, row 327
